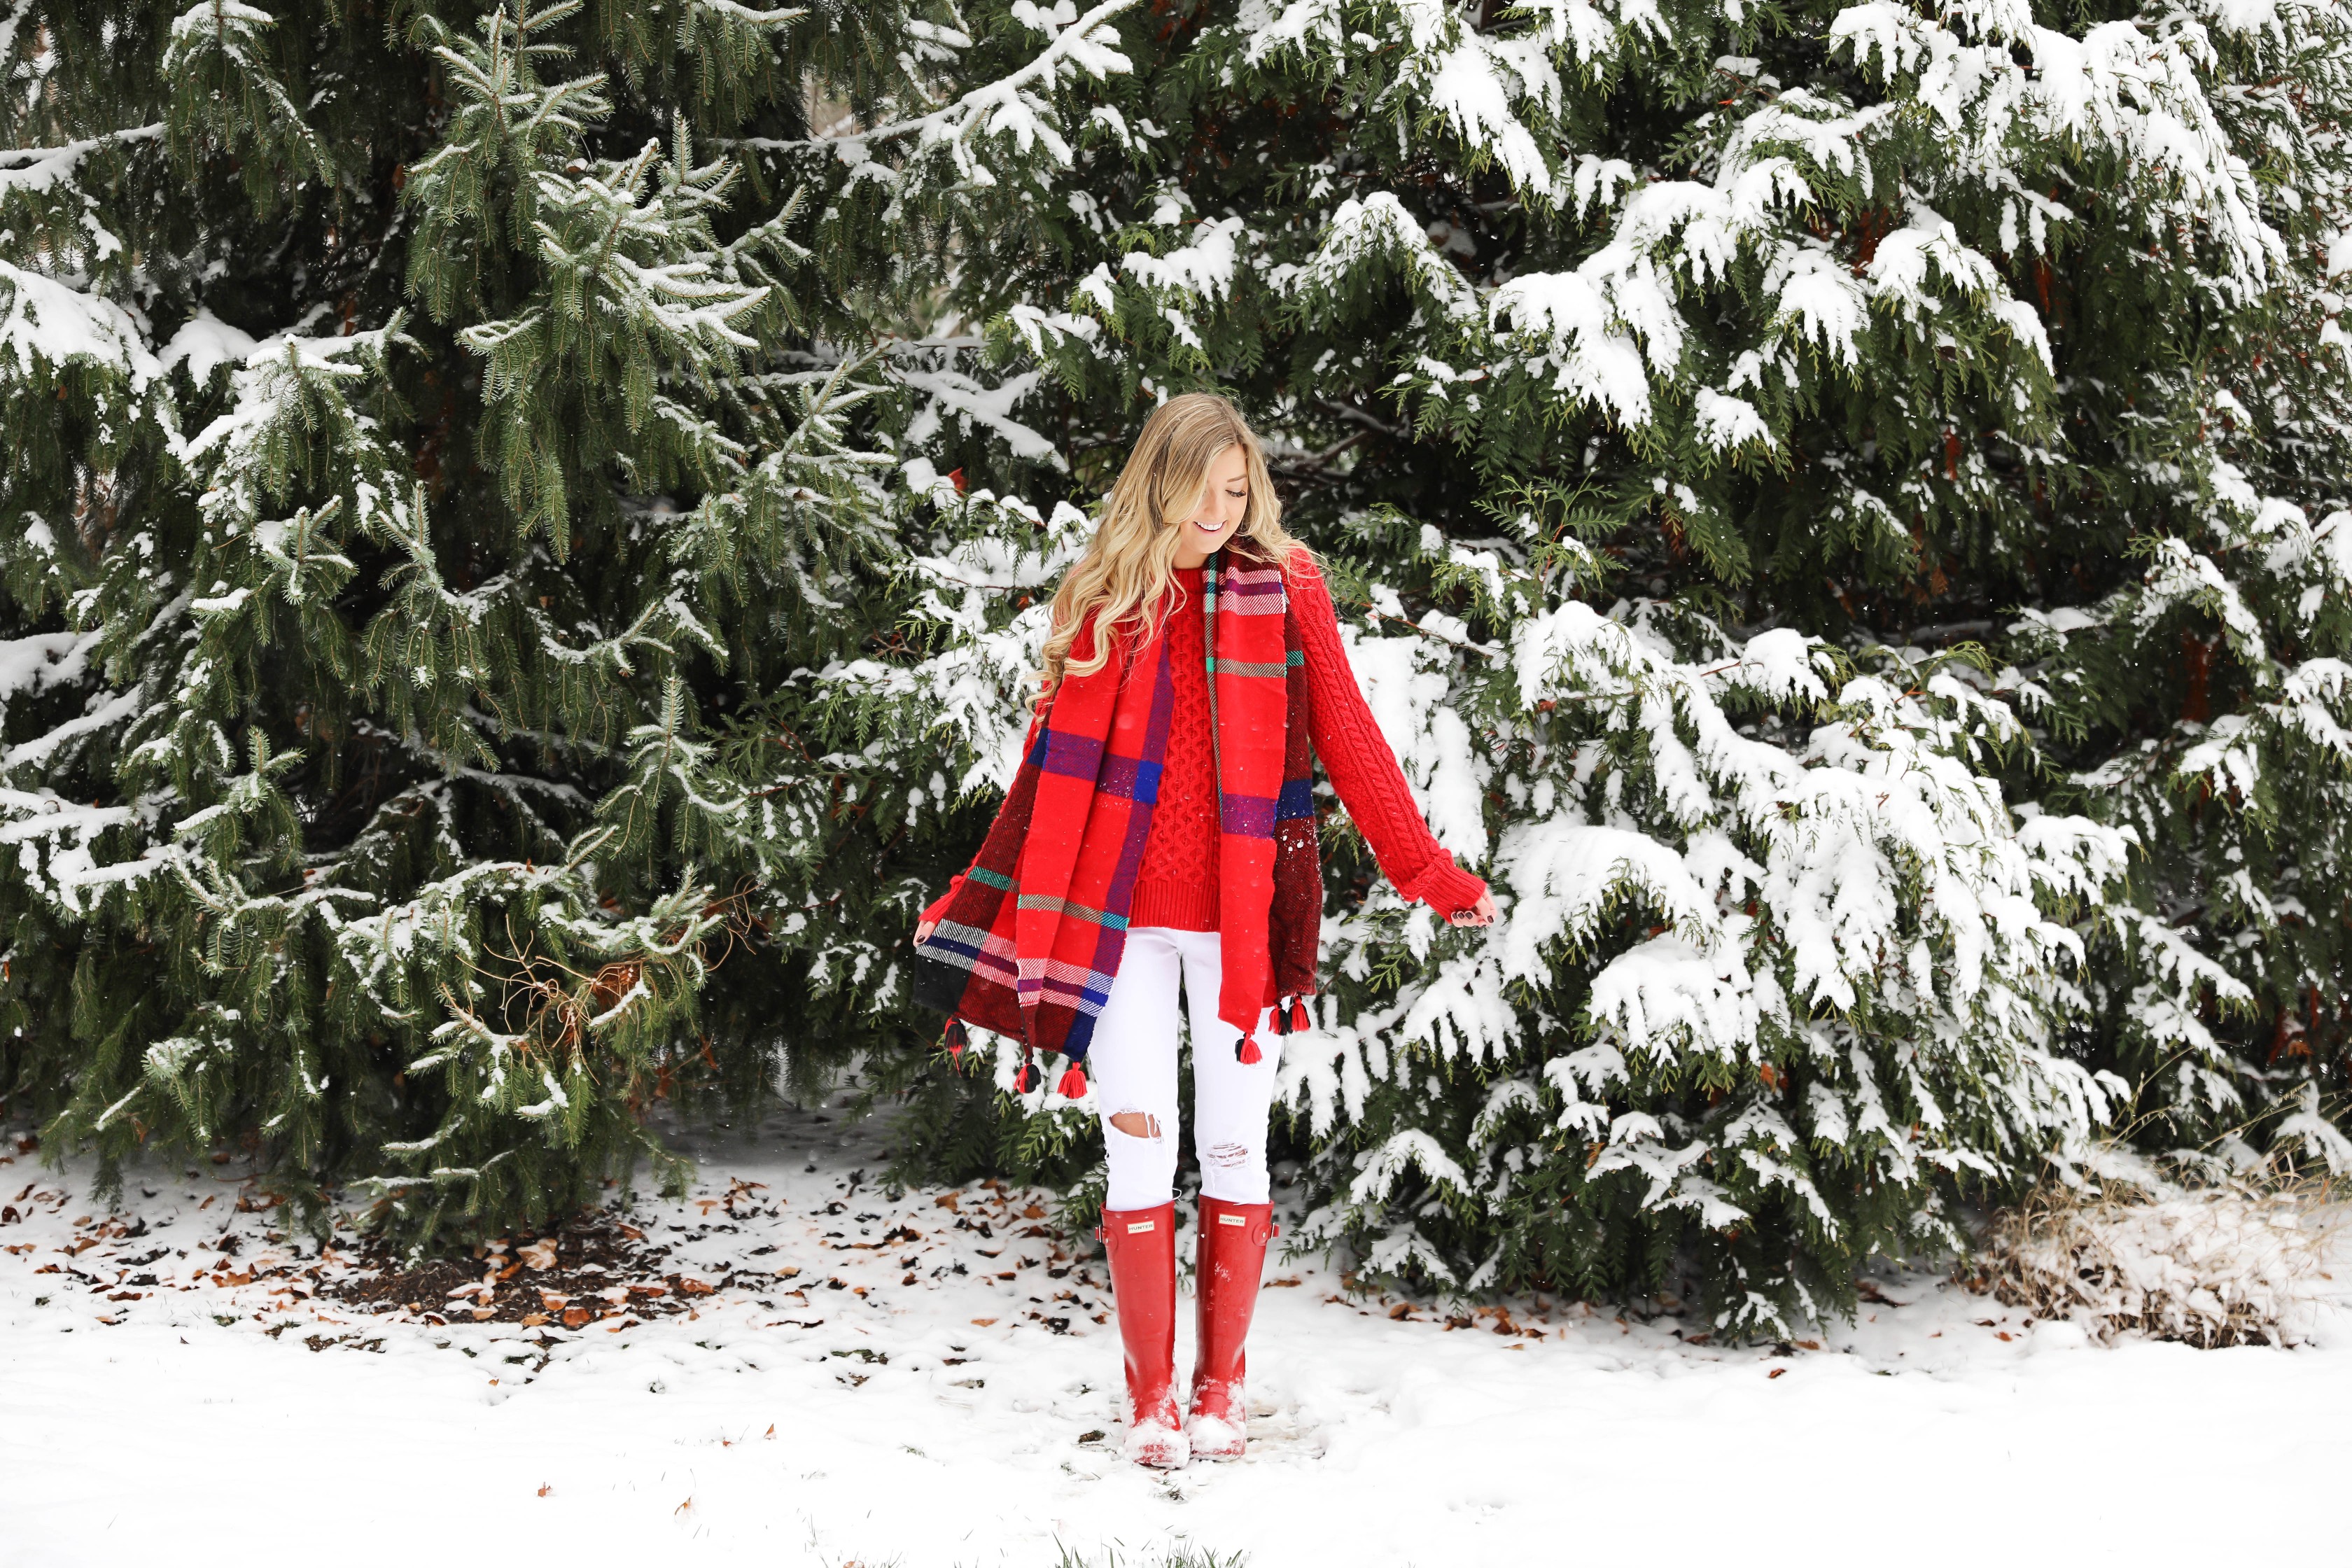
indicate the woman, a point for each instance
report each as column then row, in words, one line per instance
column 1163, row 826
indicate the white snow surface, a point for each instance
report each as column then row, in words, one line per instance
column 830, row 1426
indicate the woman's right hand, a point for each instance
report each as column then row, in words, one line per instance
column 1481, row 913
column 923, row 929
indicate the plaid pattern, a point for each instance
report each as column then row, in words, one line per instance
column 1248, row 714
column 1030, row 940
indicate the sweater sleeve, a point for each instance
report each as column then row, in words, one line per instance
column 1363, row 767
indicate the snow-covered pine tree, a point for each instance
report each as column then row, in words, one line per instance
column 427, row 465
column 1691, row 392
column 2202, row 700
column 1681, row 390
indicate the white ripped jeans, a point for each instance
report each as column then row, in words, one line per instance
column 1132, row 1061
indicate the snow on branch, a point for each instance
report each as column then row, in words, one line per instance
column 1014, row 106
column 37, row 171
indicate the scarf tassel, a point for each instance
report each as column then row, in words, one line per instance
column 1074, row 1083
column 1027, row 1079
column 1290, row 1016
column 954, row 1038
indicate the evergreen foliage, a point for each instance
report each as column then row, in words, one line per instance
column 421, row 468
column 1841, row 507
column 1718, row 413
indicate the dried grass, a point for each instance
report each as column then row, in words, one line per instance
column 2183, row 1249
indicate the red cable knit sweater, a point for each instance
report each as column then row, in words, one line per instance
column 1177, row 884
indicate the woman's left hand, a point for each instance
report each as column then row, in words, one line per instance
column 1481, row 913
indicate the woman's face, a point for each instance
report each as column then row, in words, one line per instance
column 1220, row 510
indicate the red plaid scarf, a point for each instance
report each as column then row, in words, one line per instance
column 1030, row 939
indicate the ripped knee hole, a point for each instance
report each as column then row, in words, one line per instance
column 1229, row 1156
column 1135, row 1125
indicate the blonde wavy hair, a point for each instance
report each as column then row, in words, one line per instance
column 1122, row 580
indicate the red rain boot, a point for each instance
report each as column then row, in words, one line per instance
column 1231, row 1262
column 1141, row 1244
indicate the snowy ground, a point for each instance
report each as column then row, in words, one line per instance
column 922, row 1410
